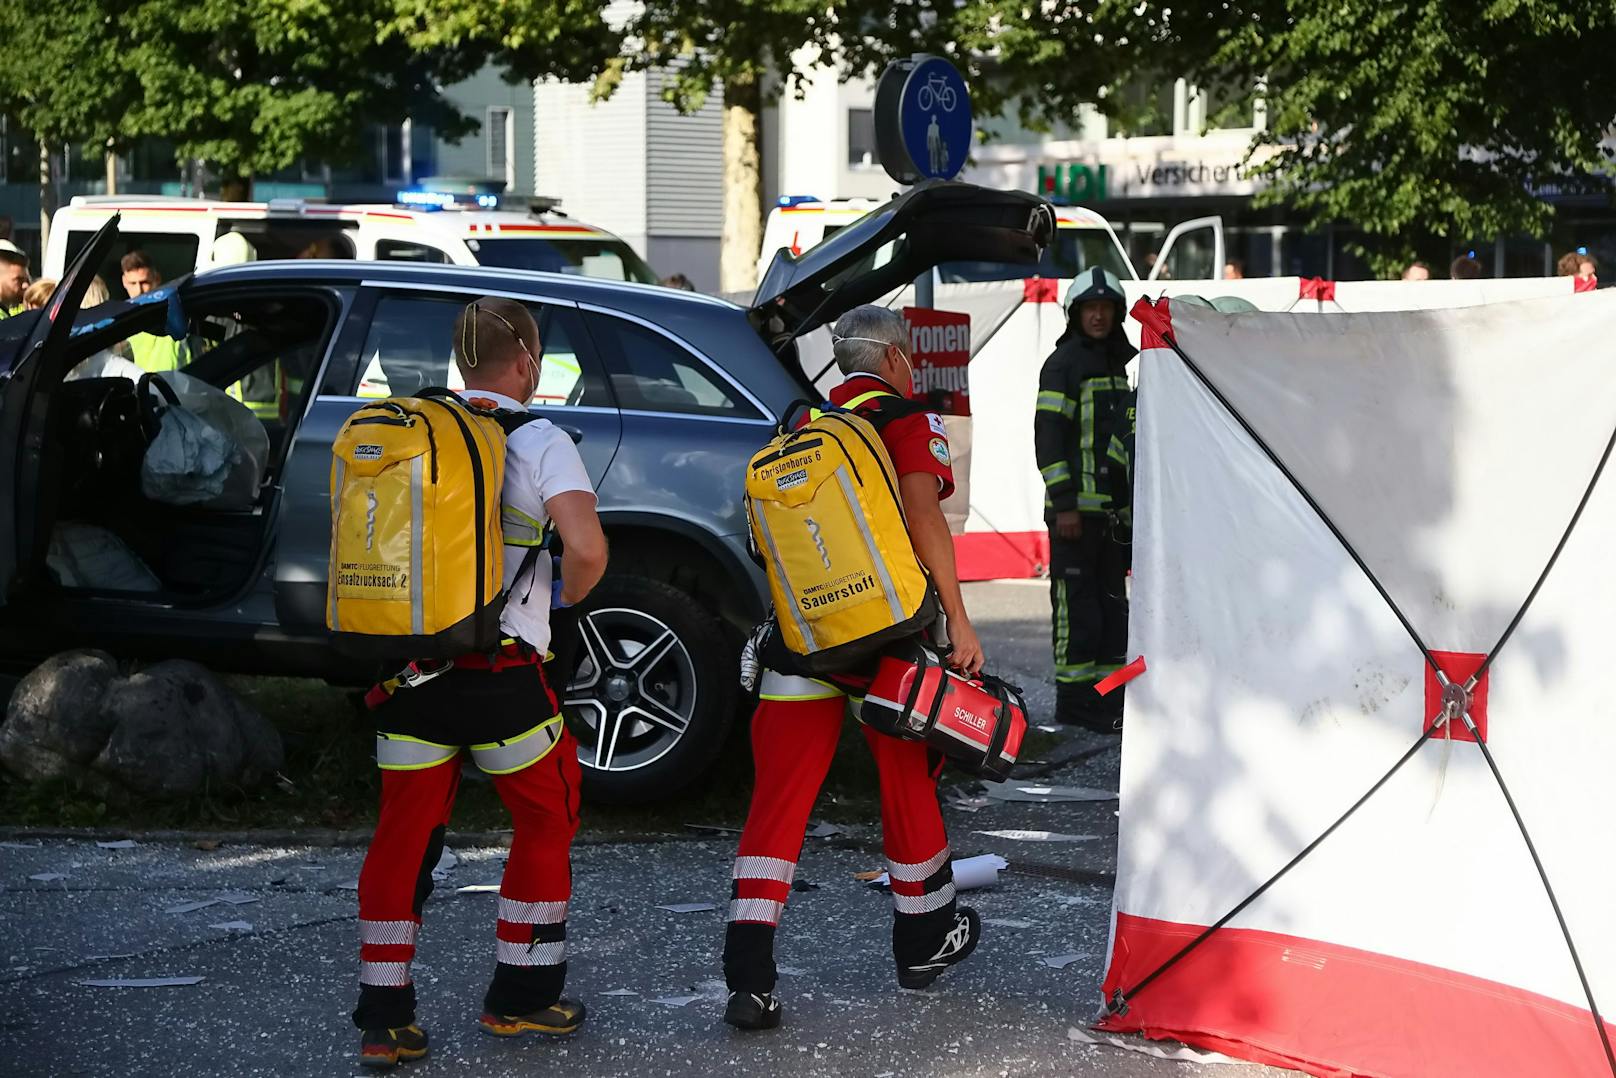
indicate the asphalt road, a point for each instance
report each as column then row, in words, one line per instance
column 275, row 996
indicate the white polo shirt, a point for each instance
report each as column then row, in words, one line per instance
column 540, row 462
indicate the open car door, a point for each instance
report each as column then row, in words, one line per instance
column 1192, row 251
column 23, row 418
column 934, row 222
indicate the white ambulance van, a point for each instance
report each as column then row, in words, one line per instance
column 182, row 235
column 1083, row 239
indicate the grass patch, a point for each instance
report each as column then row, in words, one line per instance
column 331, row 781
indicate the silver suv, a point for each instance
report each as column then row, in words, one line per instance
column 668, row 394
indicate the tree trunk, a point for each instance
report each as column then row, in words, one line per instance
column 112, row 173
column 47, row 194
column 743, row 187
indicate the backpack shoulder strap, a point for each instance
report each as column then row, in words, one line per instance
column 511, row 421
column 883, row 406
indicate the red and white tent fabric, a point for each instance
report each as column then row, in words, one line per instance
column 1373, row 498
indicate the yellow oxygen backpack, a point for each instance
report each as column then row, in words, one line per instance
column 828, row 526
column 417, row 554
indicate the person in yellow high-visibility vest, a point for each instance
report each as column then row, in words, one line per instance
column 13, row 279
column 151, row 352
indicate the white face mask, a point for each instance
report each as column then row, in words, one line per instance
column 533, row 365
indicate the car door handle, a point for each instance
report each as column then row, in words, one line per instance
column 576, row 434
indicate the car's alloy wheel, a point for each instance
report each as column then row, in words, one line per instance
column 652, row 698
column 635, row 691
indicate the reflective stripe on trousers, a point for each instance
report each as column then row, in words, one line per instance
column 531, row 913
column 384, row 974
column 398, row 752
column 523, row 750
column 936, row 900
column 778, row 686
column 530, row 954
column 388, row 933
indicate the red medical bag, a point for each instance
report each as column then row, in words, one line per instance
column 979, row 724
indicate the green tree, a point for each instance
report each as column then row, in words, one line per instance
column 1423, row 124
column 62, row 81
column 253, row 86
column 746, row 51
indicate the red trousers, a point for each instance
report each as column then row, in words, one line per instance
column 417, row 797
column 794, row 736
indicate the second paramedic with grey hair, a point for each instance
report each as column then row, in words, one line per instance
column 799, row 717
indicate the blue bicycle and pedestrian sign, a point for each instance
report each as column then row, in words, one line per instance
column 923, row 120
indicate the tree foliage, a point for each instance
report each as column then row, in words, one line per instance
column 1441, row 118
column 1423, row 124
column 253, row 86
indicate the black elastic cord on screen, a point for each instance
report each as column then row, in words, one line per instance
column 1548, row 889
column 1324, row 517
column 1565, row 536
column 1118, row 1003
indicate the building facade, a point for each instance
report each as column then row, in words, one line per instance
column 636, row 166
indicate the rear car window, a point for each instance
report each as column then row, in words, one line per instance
column 272, row 239
column 173, row 254
column 651, row 373
column 605, row 257
column 410, row 347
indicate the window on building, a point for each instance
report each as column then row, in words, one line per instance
column 653, row 374
column 861, row 138
column 394, row 138
column 498, row 131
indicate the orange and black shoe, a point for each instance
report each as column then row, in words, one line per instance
column 386, row 1048
column 560, row 1018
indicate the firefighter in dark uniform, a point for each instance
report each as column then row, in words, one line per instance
column 1083, row 432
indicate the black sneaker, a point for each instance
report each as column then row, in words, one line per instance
column 387, row 1048
column 560, row 1018
column 957, row 947
column 753, row 1010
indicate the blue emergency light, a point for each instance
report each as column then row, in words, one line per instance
column 795, row 200
column 427, row 196
column 425, row 200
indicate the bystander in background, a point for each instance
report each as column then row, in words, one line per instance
column 13, row 279
column 38, row 294
column 1587, row 275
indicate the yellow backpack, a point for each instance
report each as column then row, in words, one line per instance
column 827, row 523
column 417, row 553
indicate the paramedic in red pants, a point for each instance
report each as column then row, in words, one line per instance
column 498, row 709
column 799, row 719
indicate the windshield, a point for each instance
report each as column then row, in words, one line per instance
column 607, row 257
column 1074, row 250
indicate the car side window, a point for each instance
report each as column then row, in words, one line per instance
column 652, row 373
column 409, row 347
column 404, row 251
column 171, row 254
